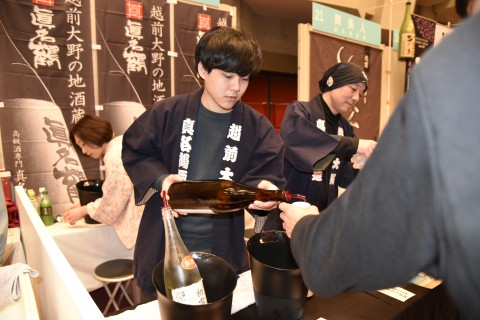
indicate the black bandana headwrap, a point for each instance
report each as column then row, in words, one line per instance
column 341, row 74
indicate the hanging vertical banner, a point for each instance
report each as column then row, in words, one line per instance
column 37, row 150
column 133, row 61
column 52, row 74
column 424, row 34
column 191, row 22
column 428, row 33
column 46, row 53
column 325, row 51
column 47, row 85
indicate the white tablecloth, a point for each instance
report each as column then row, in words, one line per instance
column 14, row 252
column 86, row 246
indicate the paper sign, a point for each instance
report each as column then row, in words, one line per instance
column 345, row 25
column 398, row 293
column 215, row 3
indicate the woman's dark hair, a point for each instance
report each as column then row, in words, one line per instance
column 92, row 130
column 229, row 50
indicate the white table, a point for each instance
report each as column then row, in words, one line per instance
column 86, row 246
column 13, row 249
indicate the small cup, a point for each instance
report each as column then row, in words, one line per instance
column 358, row 161
column 301, row 204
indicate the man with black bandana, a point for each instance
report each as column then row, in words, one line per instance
column 319, row 141
column 415, row 206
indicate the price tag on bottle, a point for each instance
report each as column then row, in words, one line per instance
column 193, row 294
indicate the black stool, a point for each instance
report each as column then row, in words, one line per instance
column 117, row 271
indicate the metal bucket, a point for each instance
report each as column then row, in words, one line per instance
column 89, row 191
column 219, row 281
column 280, row 293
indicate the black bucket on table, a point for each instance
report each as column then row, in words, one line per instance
column 219, row 281
column 280, row 293
column 89, row 191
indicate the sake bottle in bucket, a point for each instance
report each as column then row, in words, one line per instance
column 183, row 282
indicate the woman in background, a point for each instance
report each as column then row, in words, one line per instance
column 93, row 137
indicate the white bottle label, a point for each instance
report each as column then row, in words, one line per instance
column 408, row 45
column 193, row 294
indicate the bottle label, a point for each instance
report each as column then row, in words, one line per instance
column 193, row 294
column 188, row 263
column 46, row 211
column 408, row 45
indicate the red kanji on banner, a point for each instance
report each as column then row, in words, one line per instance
column 134, row 10
column 50, row 3
column 204, row 21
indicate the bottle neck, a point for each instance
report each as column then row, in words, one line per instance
column 271, row 195
column 172, row 236
column 408, row 12
column 169, row 224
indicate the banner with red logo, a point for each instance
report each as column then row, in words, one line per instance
column 46, row 54
column 133, row 62
column 191, row 23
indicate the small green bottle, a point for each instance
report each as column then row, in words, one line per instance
column 46, row 209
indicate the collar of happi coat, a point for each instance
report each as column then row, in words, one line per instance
column 231, row 148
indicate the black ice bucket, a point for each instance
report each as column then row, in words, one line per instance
column 219, row 281
column 88, row 191
column 280, row 293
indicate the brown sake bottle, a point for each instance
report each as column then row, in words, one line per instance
column 219, row 196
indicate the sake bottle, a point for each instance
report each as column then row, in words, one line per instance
column 218, row 196
column 46, row 213
column 406, row 48
column 183, row 282
column 33, row 199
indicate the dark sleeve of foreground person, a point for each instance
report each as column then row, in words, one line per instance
column 414, row 207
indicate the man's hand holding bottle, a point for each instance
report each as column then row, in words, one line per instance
column 167, row 182
column 268, row 205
